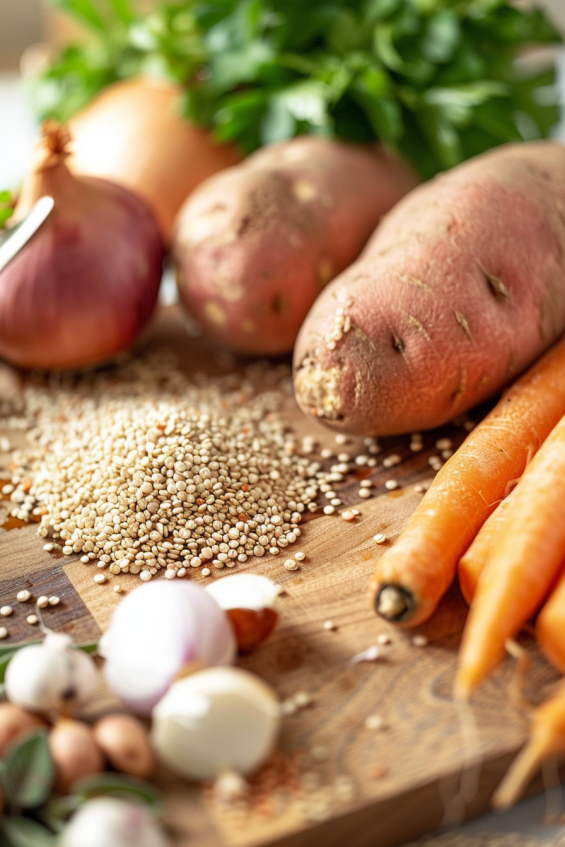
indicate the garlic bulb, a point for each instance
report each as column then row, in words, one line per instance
column 109, row 822
column 155, row 631
column 51, row 676
column 249, row 601
column 216, row 720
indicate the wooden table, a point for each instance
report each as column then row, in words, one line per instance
column 333, row 780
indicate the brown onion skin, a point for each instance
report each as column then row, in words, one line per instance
column 132, row 133
column 86, row 284
column 75, row 753
column 15, row 724
column 125, row 742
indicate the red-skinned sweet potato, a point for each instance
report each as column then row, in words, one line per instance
column 461, row 288
column 255, row 244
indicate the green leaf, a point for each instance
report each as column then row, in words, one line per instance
column 114, row 783
column 28, row 772
column 83, row 10
column 122, row 10
column 17, row 831
column 6, row 210
column 442, row 37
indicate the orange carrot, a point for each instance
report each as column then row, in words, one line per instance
column 523, row 563
column 550, row 626
column 472, row 563
column 412, row 576
column 547, row 739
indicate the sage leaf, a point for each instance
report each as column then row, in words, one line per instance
column 28, row 774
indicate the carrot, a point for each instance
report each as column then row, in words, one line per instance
column 547, row 739
column 472, row 563
column 550, row 626
column 412, row 576
column 522, row 565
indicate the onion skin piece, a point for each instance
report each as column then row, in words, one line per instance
column 252, row 626
column 86, row 284
column 132, row 134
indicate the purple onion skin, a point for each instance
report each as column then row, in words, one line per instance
column 87, row 283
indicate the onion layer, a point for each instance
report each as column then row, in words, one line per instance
column 86, row 284
column 155, row 632
column 132, row 134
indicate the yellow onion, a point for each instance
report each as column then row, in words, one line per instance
column 85, row 285
column 133, row 134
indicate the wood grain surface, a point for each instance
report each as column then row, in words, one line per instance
column 332, row 780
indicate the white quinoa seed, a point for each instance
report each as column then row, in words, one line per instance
column 23, row 596
column 205, row 571
column 419, row 641
column 364, row 493
column 380, row 538
column 33, row 620
column 6, row 611
column 42, row 602
column 444, row 444
column 348, row 515
column 330, row 626
column 391, row 484
column 374, row 723
column 299, row 556
column 366, row 483
column 291, row 565
column 100, row 578
column 3, row 632
column 54, row 600
column 140, row 470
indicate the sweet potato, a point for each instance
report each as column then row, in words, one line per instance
column 255, row 244
column 461, row 287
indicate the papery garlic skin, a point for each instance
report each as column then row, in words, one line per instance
column 51, row 676
column 245, row 591
column 216, row 720
column 109, row 822
column 155, row 631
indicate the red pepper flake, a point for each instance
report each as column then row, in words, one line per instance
column 245, row 488
column 243, row 517
column 200, row 502
column 26, row 485
column 161, row 427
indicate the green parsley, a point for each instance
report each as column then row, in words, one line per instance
column 437, row 80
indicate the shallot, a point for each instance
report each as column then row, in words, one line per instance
column 86, row 283
column 15, row 724
column 125, row 743
column 216, row 720
column 74, row 752
column 155, row 632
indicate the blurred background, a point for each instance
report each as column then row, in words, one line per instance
column 25, row 25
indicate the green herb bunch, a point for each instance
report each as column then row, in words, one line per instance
column 6, row 208
column 437, row 80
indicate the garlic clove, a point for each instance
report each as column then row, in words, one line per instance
column 216, row 720
column 110, row 822
column 51, row 676
column 245, row 591
column 158, row 629
column 250, row 601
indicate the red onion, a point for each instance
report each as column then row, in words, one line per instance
column 85, row 285
column 158, row 630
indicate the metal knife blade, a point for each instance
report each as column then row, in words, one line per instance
column 22, row 232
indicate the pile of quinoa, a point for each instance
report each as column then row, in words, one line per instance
column 140, row 469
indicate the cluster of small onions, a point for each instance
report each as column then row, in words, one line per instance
column 141, row 470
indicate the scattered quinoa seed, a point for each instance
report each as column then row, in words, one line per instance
column 291, row 565
column 380, row 538
column 100, row 578
column 419, row 641
column 391, row 484
column 3, row 632
column 364, row 493
column 374, row 723
column 32, row 619
column 42, row 602
column 299, row 556
column 6, row 611
column 329, row 510
column 348, row 515
column 23, row 596
column 205, row 571
column 330, row 625
column 54, row 600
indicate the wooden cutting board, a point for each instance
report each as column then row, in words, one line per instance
column 333, row 778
